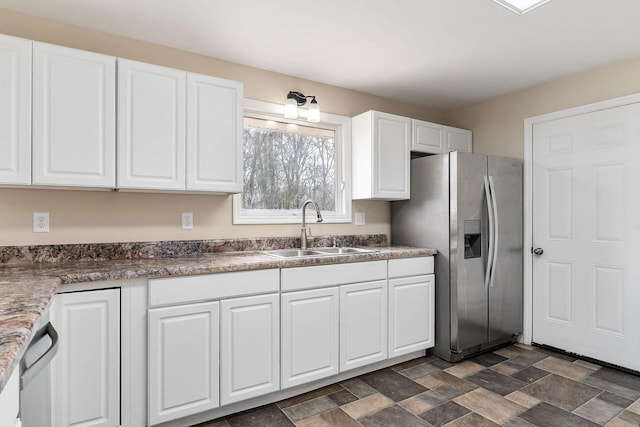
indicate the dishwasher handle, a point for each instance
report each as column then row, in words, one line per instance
column 32, row 371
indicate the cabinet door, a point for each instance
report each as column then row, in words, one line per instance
column 151, row 126
column 249, row 347
column 411, row 314
column 392, row 142
column 427, row 137
column 74, row 117
column 85, row 373
column 363, row 324
column 458, row 139
column 310, row 328
column 214, row 134
column 183, row 360
column 15, row 110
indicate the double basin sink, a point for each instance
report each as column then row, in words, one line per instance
column 299, row 253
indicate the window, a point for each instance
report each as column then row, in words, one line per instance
column 289, row 161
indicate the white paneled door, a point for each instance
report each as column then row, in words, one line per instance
column 586, row 234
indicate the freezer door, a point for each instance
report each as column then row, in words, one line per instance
column 505, row 291
column 468, row 249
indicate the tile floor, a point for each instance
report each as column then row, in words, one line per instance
column 515, row 386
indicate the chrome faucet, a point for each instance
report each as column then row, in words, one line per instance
column 303, row 231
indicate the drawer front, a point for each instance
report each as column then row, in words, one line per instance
column 318, row 276
column 410, row 266
column 177, row 290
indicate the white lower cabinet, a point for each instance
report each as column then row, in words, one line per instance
column 250, row 347
column 411, row 314
column 85, row 373
column 363, row 324
column 183, row 375
column 310, row 335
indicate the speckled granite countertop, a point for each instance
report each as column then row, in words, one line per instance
column 26, row 289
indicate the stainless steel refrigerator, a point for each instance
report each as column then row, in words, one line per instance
column 469, row 208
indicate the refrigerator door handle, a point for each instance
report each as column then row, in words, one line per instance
column 490, row 205
column 495, row 235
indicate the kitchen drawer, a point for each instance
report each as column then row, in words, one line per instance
column 177, row 290
column 410, row 266
column 9, row 406
column 318, row 276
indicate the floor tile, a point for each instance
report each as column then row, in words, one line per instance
column 367, row 405
column 561, row 392
column 311, row 395
column 358, row 388
column 625, row 419
column 441, row 378
column 445, row 413
column 525, row 359
column 496, row 382
column 309, row 408
column 598, row 410
column 508, row 352
column 635, row 407
column 517, row 422
column 442, row 364
column 631, row 382
column 464, row 369
column 416, row 404
column 413, row 362
column 490, row 405
column 530, row 374
column 586, row 364
column 342, row 397
column 265, row 416
column 488, row 359
column 393, row 385
column 546, row 415
column 558, row 354
column 392, row 416
column 334, row 417
column 420, row 371
column 523, row 399
column 603, row 384
column 614, row 399
column 504, row 368
column 563, row 368
column 216, row 423
column 472, row 420
column 439, row 395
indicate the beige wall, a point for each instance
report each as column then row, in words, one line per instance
column 498, row 124
column 91, row 216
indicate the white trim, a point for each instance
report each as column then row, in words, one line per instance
column 342, row 126
column 527, row 333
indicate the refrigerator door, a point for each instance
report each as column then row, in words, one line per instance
column 505, row 291
column 468, row 250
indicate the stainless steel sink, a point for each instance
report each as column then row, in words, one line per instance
column 293, row 253
column 339, row 251
column 299, row 253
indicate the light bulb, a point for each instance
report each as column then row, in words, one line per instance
column 291, row 109
column 313, row 113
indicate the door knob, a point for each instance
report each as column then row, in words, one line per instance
column 538, row 251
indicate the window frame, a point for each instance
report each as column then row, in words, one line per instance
column 342, row 127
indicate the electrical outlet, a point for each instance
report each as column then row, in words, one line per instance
column 359, row 218
column 41, row 222
column 187, row 221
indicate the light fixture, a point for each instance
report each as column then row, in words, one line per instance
column 297, row 99
column 521, row 6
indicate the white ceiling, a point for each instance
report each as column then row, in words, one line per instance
column 438, row 53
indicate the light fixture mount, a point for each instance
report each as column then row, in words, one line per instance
column 521, row 6
column 297, row 99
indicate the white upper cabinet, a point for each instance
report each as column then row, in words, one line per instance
column 214, row 134
column 432, row 138
column 151, row 126
column 73, row 117
column 457, row 139
column 427, row 137
column 381, row 145
column 15, row 110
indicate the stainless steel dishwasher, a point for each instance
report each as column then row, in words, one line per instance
column 35, row 379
